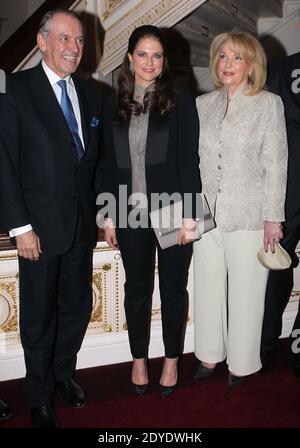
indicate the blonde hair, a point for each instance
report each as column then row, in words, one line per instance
column 250, row 50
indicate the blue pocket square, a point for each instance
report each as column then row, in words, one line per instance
column 94, row 122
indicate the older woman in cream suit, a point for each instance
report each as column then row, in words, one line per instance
column 243, row 164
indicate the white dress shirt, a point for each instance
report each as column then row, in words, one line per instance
column 53, row 79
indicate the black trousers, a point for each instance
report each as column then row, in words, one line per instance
column 138, row 247
column 279, row 288
column 55, row 306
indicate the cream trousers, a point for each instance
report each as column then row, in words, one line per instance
column 229, row 294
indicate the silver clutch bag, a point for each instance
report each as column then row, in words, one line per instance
column 167, row 222
column 278, row 261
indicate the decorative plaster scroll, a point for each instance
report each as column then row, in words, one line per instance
column 99, row 318
column 98, row 295
column 9, row 305
column 113, row 4
column 107, row 304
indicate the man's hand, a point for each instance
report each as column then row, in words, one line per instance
column 28, row 245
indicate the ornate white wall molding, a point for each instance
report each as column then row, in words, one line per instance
column 118, row 27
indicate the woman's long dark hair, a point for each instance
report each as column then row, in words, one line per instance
column 161, row 98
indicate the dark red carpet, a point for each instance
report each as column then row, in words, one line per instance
column 268, row 400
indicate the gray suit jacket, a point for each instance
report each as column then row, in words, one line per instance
column 243, row 158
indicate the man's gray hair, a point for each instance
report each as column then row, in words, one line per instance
column 45, row 22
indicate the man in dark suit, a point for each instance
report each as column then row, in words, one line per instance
column 49, row 151
column 284, row 80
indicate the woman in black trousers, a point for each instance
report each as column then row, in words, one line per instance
column 151, row 147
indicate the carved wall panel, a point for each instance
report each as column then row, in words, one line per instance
column 9, row 301
column 9, row 309
column 113, row 4
column 107, row 315
column 119, row 26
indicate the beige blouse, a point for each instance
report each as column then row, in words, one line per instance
column 243, row 158
column 138, row 129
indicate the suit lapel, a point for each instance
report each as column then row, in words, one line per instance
column 156, row 144
column 50, row 108
column 121, row 143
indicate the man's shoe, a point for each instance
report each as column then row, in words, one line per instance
column 43, row 417
column 72, row 393
column 5, row 411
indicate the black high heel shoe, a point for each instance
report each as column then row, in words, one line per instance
column 166, row 391
column 141, row 389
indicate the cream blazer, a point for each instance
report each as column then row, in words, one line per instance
column 243, row 158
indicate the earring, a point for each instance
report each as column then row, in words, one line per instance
column 131, row 68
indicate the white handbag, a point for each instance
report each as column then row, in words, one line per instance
column 278, row 260
column 167, row 222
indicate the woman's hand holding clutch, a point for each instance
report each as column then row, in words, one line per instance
column 189, row 231
column 272, row 234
